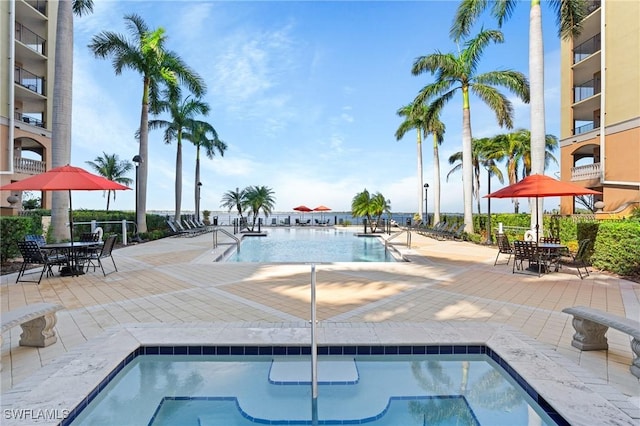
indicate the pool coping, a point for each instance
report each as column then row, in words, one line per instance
column 65, row 383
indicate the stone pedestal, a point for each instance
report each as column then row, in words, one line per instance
column 589, row 335
column 39, row 331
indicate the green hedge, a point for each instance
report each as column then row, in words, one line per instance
column 617, row 247
column 13, row 229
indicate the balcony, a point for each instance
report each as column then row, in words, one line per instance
column 585, row 128
column 29, row 80
column 30, row 39
column 586, row 49
column 587, row 172
column 592, row 6
column 29, row 166
column 29, row 120
column 39, row 5
column 586, row 90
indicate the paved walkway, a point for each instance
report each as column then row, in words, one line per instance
column 176, row 280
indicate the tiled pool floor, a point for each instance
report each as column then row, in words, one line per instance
column 175, row 281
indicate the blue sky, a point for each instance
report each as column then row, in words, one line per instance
column 304, row 94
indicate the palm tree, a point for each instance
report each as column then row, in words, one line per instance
column 110, row 167
column 370, row 207
column 361, row 206
column 483, row 157
column 512, row 147
column 570, row 14
column 235, row 199
column 146, row 54
column 182, row 119
column 414, row 118
column 259, row 198
column 515, row 148
column 379, row 206
column 436, row 128
column 455, row 72
column 198, row 135
column 61, row 107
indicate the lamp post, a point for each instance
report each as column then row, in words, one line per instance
column 489, row 239
column 426, row 211
column 199, row 188
column 137, row 160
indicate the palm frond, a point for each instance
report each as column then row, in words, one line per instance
column 466, row 15
column 515, row 81
column 474, row 48
column 498, row 102
column 570, row 15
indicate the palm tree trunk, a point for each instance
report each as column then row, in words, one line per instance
column 143, row 152
column 467, row 165
column 178, row 187
column 196, row 186
column 61, row 115
column 436, row 181
column 536, row 77
column 108, row 198
column 421, row 212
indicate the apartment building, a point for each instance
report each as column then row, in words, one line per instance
column 27, row 47
column 600, row 104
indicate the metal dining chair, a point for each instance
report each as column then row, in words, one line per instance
column 104, row 252
column 33, row 255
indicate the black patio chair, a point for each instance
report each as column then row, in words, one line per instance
column 527, row 251
column 578, row 260
column 33, row 255
column 105, row 251
column 504, row 247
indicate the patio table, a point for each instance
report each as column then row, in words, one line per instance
column 552, row 253
column 71, row 250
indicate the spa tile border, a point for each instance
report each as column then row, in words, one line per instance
column 280, row 350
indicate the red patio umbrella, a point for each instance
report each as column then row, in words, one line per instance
column 539, row 186
column 65, row 178
column 321, row 208
column 302, row 208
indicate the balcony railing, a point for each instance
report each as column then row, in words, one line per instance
column 39, row 5
column 584, row 128
column 29, row 166
column 592, row 6
column 30, row 39
column 590, row 171
column 586, row 49
column 29, row 80
column 29, row 120
column 586, row 90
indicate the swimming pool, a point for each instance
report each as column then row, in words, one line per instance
column 308, row 245
column 359, row 388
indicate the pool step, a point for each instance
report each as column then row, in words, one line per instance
column 335, row 372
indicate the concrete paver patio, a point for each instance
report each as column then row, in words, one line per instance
column 176, row 280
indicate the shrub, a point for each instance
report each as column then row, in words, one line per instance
column 12, row 230
column 617, row 247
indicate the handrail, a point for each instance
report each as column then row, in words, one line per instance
column 124, row 223
column 224, row 231
column 391, row 237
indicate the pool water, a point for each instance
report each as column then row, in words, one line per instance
column 160, row 390
column 309, row 245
